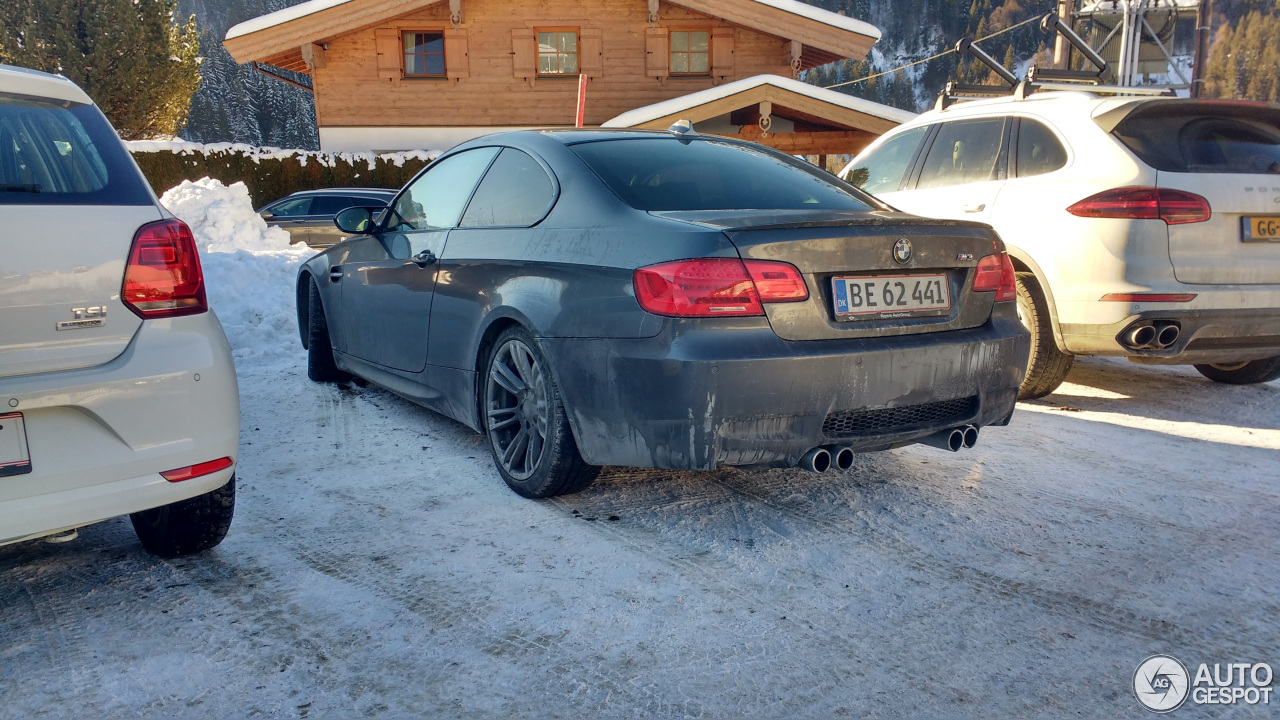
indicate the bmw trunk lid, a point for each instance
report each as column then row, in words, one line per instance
column 869, row 274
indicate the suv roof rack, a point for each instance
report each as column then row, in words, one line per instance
column 1092, row 81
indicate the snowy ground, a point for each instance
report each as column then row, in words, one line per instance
column 379, row 567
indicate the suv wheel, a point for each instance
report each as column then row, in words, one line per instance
column 1047, row 366
column 187, row 526
column 1246, row 373
column 525, row 420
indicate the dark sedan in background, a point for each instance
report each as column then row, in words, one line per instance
column 665, row 300
column 308, row 215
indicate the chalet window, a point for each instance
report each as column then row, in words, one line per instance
column 690, row 52
column 423, row 54
column 558, row 52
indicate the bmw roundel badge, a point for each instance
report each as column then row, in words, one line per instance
column 902, row 251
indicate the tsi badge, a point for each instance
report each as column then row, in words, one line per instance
column 85, row 317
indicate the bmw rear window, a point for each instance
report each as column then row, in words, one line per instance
column 59, row 153
column 1206, row 142
column 660, row 174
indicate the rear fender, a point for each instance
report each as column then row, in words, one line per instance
column 1023, row 263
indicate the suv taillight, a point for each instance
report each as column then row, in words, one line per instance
column 995, row 274
column 1145, row 203
column 717, row 287
column 163, row 277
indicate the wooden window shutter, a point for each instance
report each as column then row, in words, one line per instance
column 455, row 54
column 657, row 54
column 390, row 52
column 722, row 51
column 524, row 54
column 591, row 52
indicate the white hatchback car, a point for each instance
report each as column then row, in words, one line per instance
column 117, row 391
column 1140, row 226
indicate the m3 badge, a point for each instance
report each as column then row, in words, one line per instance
column 85, row 317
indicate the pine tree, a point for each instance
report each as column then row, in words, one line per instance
column 1244, row 62
column 130, row 56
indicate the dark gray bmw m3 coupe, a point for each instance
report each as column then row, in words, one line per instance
column 665, row 300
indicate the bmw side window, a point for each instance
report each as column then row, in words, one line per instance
column 965, row 151
column 435, row 200
column 884, row 168
column 516, row 192
column 1039, row 150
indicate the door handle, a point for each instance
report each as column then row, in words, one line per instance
column 335, row 273
column 974, row 207
column 424, row 258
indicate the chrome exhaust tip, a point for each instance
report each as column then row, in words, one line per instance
column 952, row 439
column 970, row 436
column 1140, row 337
column 842, row 456
column 816, row 460
column 1167, row 335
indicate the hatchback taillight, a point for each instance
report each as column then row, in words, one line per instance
column 163, row 277
column 995, row 274
column 717, row 287
column 1145, row 203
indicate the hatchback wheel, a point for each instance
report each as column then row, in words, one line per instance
column 187, row 526
column 1047, row 366
column 525, row 420
column 1245, row 373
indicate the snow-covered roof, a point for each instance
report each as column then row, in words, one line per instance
column 280, row 17
column 794, row 7
column 649, row 113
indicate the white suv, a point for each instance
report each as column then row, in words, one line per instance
column 117, row 391
column 1140, row 226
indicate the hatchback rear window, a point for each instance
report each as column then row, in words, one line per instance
column 1204, row 143
column 56, row 153
column 662, row 174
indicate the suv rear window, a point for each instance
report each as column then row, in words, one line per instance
column 671, row 174
column 57, row 153
column 1204, row 143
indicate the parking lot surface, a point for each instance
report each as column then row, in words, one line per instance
column 379, row 567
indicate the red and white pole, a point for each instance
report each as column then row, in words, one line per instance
column 582, row 99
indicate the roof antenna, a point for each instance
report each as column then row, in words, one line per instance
column 682, row 129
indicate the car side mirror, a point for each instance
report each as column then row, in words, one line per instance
column 354, row 220
column 267, row 215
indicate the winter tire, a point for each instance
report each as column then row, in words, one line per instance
column 187, row 526
column 524, row 418
column 1247, row 373
column 1047, row 366
column 320, row 364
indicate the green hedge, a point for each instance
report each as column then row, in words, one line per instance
column 270, row 173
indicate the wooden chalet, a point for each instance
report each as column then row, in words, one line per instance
column 427, row 74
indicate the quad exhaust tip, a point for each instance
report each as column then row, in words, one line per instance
column 843, row 455
column 1140, row 337
column 816, row 460
column 1167, row 335
column 970, row 437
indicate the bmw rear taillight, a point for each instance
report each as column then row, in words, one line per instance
column 163, row 277
column 995, row 274
column 1175, row 207
column 717, row 287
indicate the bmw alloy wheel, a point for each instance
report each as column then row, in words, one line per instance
column 517, row 405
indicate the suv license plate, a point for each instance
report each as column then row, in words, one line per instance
column 1260, row 229
column 890, row 295
column 14, row 457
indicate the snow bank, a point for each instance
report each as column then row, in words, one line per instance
column 249, row 271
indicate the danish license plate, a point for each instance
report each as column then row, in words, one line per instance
column 14, row 457
column 1260, row 229
column 884, row 296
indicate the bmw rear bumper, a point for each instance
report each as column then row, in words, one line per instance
column 731, row 392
